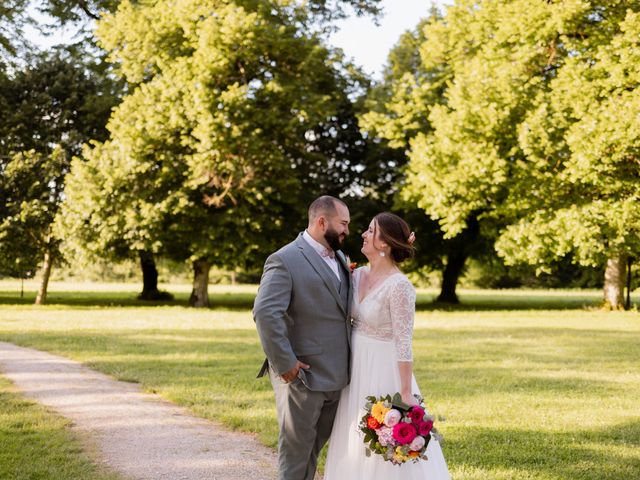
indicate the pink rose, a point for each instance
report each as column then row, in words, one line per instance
column 425, row 427
column 416, row 414
column 404, row 433
column 392, row 418
column 417, row 444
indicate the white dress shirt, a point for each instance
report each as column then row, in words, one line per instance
column 318, row 247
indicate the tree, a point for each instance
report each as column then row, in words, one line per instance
column 15, row 15
column 584, row 133
column 12, row 21
column 49, row 111
column 208, row 151
column 500, row 147
column 75, row 11
column 396, row 109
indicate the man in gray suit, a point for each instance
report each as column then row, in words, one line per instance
column 301, row 313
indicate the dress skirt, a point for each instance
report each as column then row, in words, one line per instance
column 374, row 371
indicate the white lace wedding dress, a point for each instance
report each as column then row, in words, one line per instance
column 382, row 334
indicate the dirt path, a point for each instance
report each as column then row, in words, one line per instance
column 136, row 434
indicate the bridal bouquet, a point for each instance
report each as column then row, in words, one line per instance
column 395, row 430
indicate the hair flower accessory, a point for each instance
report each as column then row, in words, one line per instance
column 412, row 238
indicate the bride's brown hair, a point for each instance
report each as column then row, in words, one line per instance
column 396, row 233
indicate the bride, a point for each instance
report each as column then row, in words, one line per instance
column 381, row 358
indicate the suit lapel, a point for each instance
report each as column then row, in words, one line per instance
column 321, row 269
column 347, row 268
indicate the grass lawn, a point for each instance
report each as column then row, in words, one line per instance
column 36, row 444
column 532, row 385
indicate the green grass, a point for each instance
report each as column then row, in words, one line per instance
column 548, row 391
column 121, row 295
column 36, row 444
column 240, row 297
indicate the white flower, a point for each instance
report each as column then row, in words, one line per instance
column 392, row 417
column 417, row 444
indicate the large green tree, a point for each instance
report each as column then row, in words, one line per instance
column 582, row 140
column 49, row 110
column 522, row 92
column 396, row 112
column 78, row 16
column 229, row 114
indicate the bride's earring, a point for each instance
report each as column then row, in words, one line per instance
column 382, row 254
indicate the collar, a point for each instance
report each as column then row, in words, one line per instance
column 317, row 246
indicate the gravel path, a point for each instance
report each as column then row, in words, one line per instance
column 136, row 434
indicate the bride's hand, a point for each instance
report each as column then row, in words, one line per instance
column 409, row 399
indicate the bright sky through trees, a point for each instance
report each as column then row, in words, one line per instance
column 369, row 44
column 360, row 38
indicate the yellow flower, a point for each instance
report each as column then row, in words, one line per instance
column 378, row 411
column 399, row 455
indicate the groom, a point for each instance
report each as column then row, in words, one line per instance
column 301, row 313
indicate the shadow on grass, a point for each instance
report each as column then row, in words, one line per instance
column 513, row 300
column 490, row 301
column 228, row 301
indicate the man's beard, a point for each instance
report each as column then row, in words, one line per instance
column 333, row 239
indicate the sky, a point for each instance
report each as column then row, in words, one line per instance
column 366, row 43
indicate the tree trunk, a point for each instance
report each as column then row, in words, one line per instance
column 614, row 280
column 450, row 276
column 200, row 293
column 460, row 248
column 627, row 305
column 41, row 298
column 150, row 278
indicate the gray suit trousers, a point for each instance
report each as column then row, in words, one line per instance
column 305, row 418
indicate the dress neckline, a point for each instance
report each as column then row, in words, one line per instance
column 357, row 296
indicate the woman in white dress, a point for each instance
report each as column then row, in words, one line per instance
column 381, row 358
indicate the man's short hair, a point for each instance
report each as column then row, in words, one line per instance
column 324, row 205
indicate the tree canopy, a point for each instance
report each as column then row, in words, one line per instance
column 50, row 109
column 519, row 115
column 231, row 109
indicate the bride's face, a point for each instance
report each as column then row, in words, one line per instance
column 371, row 240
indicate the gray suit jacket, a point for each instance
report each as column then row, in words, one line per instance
column 300, row 314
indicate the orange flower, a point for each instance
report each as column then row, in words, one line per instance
column 372, row 423
column 353, row 266
column 413, row 454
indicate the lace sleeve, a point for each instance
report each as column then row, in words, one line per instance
column 403, row 308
